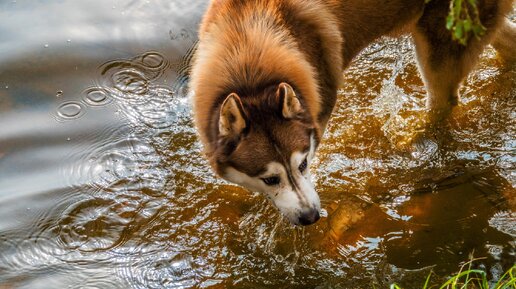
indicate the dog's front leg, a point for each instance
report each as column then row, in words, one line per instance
column 443, row 65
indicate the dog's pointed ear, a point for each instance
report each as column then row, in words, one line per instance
column 232, row 119
column 291, row 105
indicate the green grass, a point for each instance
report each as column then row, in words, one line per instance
column 468, row 278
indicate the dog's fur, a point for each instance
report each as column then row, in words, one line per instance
column 266, row 72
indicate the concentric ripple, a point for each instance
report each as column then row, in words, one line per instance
column 123, row 161
column 70, row 110
column 133, row 83
column 96, row 96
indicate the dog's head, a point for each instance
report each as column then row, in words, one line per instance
column 265, row 143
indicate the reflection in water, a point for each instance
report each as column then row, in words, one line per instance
column 116, row 193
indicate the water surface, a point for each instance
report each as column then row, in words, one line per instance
column 103, row 184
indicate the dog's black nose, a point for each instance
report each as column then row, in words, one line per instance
column 309, row 217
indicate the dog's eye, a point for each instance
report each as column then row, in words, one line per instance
column 303, row 165
column 271, row 181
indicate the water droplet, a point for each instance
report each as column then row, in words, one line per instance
column 96, row 96
column 68, row 139
column 7, row 87
column 69, row 40
column 59, row 93
column 46, row 45
column 70, row 110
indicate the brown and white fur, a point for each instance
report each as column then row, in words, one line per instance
column 266, row 72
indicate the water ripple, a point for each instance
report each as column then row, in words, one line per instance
column 70, row 110
column 504, row 221
column 124, row 162
column 96, row 96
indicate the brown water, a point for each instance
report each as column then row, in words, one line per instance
column 102, row 184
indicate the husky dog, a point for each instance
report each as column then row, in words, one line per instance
column 266, row 72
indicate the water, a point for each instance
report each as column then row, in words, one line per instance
column 103, row 185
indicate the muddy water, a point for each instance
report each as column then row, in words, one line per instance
column 103, row 185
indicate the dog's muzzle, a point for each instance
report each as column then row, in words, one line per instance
column 308, row 217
